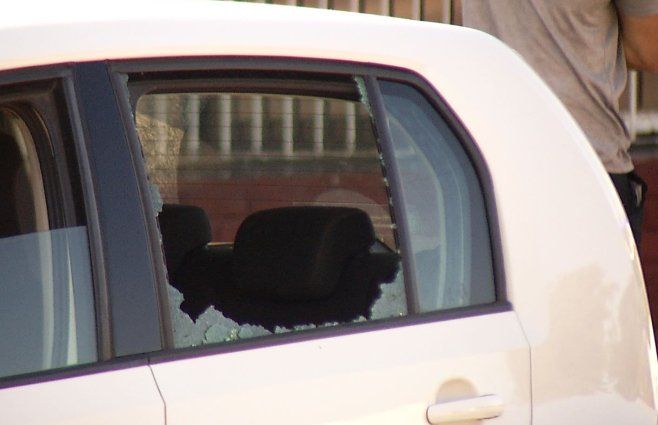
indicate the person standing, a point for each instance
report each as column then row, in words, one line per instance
column 582, row 48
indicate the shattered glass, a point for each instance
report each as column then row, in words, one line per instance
column 213, row 327
column 392, row 301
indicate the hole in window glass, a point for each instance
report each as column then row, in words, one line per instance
column 46, row 299
column 274, row 212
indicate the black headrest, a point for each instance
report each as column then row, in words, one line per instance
column 298, row 253
column 183, row 228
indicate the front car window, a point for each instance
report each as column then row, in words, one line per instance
column 46, row 298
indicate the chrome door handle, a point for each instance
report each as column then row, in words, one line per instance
column 470, row 409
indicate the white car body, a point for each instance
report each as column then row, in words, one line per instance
column 577, row 346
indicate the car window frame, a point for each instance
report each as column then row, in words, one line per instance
column 203, row 68
column 136, row 322
column 44, row 97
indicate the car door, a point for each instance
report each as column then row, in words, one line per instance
column 237, row 145
column 59, row 346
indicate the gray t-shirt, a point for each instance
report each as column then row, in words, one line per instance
column 575, row 46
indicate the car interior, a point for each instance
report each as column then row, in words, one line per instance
column 287, row 267
column 22, row 199
column 274, row 208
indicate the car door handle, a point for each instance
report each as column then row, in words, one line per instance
column 470, row 409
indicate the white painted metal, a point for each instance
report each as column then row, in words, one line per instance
column 125, row 396
column 470, row 409
column 571, row 263
column 571, row 267
column 382, row 377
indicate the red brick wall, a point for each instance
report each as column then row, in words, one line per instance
column 228, row 202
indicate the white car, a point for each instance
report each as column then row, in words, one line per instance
column 218, row 212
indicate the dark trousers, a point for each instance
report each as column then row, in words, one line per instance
column 632, row 191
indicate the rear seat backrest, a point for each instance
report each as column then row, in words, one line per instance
column 304, row 266
column 288, row 266
column 298, row 253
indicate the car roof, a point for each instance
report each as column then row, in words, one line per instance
column 39, row 33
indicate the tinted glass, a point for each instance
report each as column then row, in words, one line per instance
column 443, row 204
column 46, row 298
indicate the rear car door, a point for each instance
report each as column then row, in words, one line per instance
column 330, row 247
column 56, row 333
